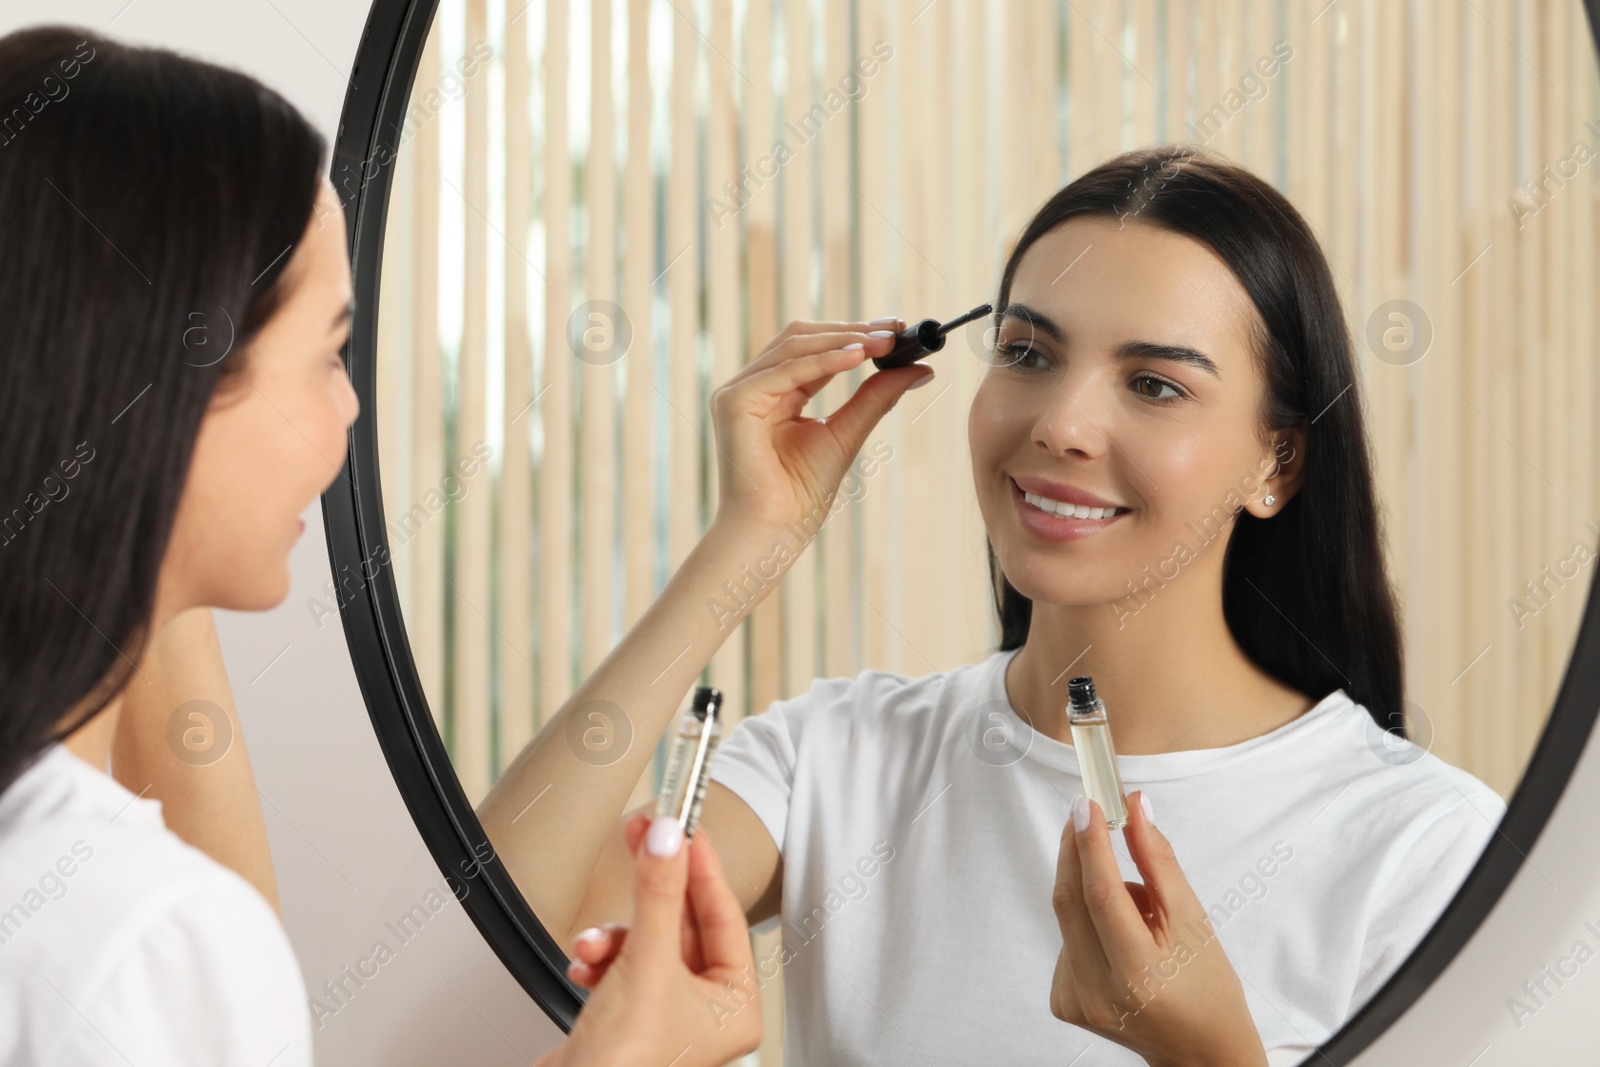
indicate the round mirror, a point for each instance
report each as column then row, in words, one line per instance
column 572, row 222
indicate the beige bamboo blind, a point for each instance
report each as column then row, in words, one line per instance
column 586, row 161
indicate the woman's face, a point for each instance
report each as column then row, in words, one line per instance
column 273, row 441
column 1079, row 399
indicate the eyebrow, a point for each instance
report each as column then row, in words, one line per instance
column 1126, row 350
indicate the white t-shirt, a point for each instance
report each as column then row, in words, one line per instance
column 920, row 819
column 121, row 944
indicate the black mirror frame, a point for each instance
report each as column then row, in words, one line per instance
column 352, row 508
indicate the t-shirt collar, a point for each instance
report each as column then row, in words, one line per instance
column 1153, row 767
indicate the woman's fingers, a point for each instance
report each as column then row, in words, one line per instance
column 660, row 876
column 805, row 374
column 637, row 826
column 871, row 402
column 1122, row 931
column 599, row 944
column 785, row 347
column 1141, row 900
column 724, row 932
column 1166, row 886
column 823, row 347
column 585, row 974
column 808, row 327
column 1079, row 938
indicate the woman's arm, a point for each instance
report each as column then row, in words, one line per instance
column 554, row 813
column 209, row 800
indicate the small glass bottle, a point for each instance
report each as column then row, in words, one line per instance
column 1086, row 714
column 689, row 767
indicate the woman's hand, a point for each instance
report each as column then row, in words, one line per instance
column 1140, row 964
column 776, row 466
column 655, row 984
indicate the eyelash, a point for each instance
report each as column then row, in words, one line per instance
column 1020, row 351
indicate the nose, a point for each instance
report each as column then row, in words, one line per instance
column 353, row 401
column 1071, row 415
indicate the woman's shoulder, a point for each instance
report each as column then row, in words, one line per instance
column 1404, row 779
column 120, row 916
column 890, row 696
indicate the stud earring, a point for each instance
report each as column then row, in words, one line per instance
column 1270, row 500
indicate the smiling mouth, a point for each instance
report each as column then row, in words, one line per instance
column 1062, row 510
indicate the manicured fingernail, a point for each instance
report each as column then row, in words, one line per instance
column 920, row 382
column 1144, row 802
column 1080, row 813
column 664, row 838
column 881, row 333
column 890, row 321
column 594, row 933
column 849, row 347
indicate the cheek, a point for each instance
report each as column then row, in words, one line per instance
column 992, row 425
column 1187, row 471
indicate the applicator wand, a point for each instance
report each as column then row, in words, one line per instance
column 925, row 338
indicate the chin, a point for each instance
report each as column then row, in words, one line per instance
column 1052, row 586
column 261, row 594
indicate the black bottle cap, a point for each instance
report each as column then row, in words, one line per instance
column 924, row 338
column 707, row 700
column 1080, row 691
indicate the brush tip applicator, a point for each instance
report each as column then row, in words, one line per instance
column 924, row 338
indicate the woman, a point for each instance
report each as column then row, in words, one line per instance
column 176, row 294
column 1171, row 367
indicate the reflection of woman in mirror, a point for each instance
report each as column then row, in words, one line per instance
column 1169, row 344
column 176, row 292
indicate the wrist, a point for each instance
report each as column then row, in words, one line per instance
column 738, row 563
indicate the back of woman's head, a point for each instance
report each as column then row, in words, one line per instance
column 148, row 204
column 1305, row 592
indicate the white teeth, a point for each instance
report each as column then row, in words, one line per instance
column 1067, row 511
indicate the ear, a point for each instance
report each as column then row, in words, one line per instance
column 1283, row 469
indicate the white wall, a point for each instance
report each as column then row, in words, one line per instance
column 349, row 860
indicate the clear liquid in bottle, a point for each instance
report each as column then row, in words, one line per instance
column 1091, row 736
column 683, row 788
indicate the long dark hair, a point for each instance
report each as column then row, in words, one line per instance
column 148, row 205
column 1319, row 561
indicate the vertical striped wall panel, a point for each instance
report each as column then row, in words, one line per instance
column 619, row 155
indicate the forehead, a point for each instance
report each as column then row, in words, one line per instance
column 1105, row 282
column 318, row 272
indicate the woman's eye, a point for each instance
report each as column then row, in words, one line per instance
column 1174, row 393
column 1018, row 354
